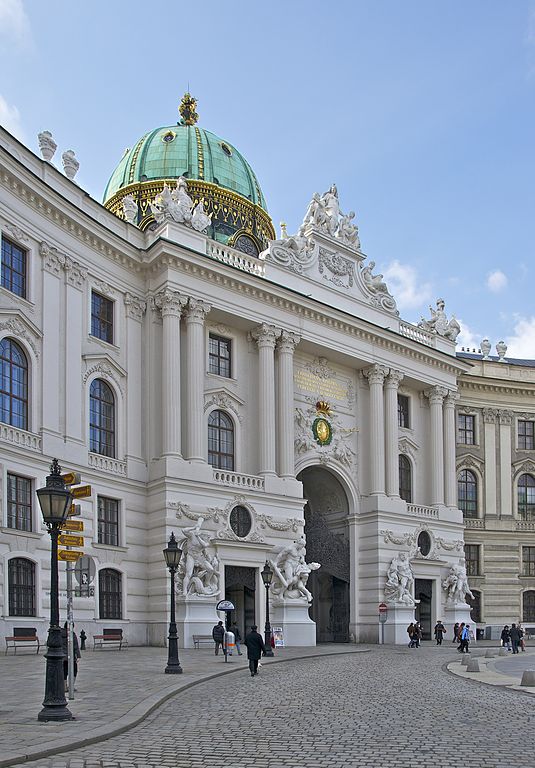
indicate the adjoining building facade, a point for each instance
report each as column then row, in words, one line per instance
column 258, row 397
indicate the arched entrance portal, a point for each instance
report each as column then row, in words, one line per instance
column 326, row 530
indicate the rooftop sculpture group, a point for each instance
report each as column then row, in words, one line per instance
column 438, row 322
column 177, row 205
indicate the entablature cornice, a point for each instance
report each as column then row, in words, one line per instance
column 503, row 388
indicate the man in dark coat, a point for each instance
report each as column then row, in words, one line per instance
column 65, row 648
column 255, row 649
column 515, row 637
column 218, row 633
column 439, row 632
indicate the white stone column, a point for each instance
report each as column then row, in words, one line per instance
column 135, row 308
column 491, row 470
column 450, row 476
column 436, row 397
column 266, row 336
column 392, row 383
column 506, row 496
column 376, row 376
column 171, row 304
column 286, row 345
column 195, row 366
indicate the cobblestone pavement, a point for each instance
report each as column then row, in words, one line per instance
column 391, row 707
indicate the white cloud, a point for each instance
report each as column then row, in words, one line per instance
column 468, row 338
column 10, row 118
column 496, row 281
column 14, row 23
column 522, row 343
column 403, row 284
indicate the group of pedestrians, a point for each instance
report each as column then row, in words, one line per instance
column 462, row 634
column 253, row 642
column 512, row 639
column 414, row 631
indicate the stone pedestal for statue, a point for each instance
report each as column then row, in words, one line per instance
column 297, row 626
column 195, row 616
column 398, row 619
column 457, row 613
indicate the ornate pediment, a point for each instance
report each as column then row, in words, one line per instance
column 15, row 324
column 222, row 398
column 470, row 461
column 523, row 466
column 105, row 368
column 408, row 447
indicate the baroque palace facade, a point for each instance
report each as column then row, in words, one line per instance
column 260, row 398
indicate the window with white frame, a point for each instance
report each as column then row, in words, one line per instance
column 21, row 587
column 526, row 435
column 220, row 356
column 108, row 521
column 101, row 317
column 110, row 594
column 466, row 429
column 19, row 502
column 14, row 268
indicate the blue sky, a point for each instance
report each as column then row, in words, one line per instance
column 422, row 113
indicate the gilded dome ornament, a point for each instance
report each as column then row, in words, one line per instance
column 187, row 109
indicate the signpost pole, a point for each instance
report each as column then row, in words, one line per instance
column 383, row 615
column 70, row 625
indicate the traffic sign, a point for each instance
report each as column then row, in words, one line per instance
column 69, row 555
column 71, row 478
column 75, row 510
column 383, row 607
column 81, row 491
column 71, row 541
column 73, row 525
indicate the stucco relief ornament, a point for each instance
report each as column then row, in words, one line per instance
column 130, row 209
column 175, row 205
column 456, row 583
column 292, row 572
column 199, row 219
column 377, row 288
column 400, row 581
column 198, row 572
column 47, row 145
column 438, row 322
column 296, row 252
column 348, row 233
column 318, row 429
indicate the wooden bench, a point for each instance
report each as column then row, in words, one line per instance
column 23, row 637
column 110, row 637
column 198, row 639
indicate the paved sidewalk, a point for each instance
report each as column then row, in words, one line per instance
column 505, row 671
column 115, row 691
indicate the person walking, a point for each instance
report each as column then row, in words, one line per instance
column 237, row 637
column 218, row 633
column 505, row 637
column 465, row 639
column 522, row 641
column 417, row 634
column 65, row 648
column 410, row 632
column 255, row 649
column 515, row 636
column 440, row 630
column 459, row 637
column 455, row 637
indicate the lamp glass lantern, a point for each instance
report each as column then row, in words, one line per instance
column 172, row 553
column 267, row 575
column 54, row 498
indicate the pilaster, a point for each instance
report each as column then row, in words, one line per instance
column 392, row 383
column 286, row 345
column 195, row 315
column 450, row 478
column 506, row 501
column 376, row 375
column 490, row 416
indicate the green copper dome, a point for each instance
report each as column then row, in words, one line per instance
column 216, row 174
column 189, row 151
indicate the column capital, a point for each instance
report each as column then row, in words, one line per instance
column 505, row 417
column 375, row 374
column 170, row 303
column 196, row 310
column 266, row 335
column 288, row 341
column 436, row 394
column 490, row 415
column 393, row 379
column 135, row 306
column 451, row 398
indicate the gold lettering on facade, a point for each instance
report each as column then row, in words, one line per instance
column 330, row 388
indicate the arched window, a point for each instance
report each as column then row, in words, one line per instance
column 21, row 587
column 528, row 606
column 405, row 478
column 220, row 441
column 467, row 493
column 475, row 606
column 13, row 384
column 110, row 597
column 526, row 497
column 101, row 418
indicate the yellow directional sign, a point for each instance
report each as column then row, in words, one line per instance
column 71, row 478
column 73, row 525
column 69, row 555
column 71, row 541
column 81, row 491
column 75, row 510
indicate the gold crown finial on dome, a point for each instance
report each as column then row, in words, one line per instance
column 187, row 109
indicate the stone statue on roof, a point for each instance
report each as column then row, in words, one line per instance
column 438, row 322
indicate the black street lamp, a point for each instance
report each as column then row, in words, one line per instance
column 54, row 500
column 172, row 555
column 267, row 576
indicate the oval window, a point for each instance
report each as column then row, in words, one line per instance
column 240, row 521
column 226, row 149
column 424, row 543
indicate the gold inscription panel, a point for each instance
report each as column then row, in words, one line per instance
column 329, row 389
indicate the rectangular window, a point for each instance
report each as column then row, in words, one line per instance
column 528, row 561
column 403, row 411
column 19, row 503
column 219, row 356
column 471, row 554
column 101, row 317
column 14, row 268
column 108, row 521
column 466, row 429
column 526, row 436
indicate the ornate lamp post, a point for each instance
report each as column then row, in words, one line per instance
column 172, row 555
column 267, row 576
column 54, row 500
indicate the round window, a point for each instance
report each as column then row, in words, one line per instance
column 169, row 136
column 226, row 149
column 424, row 543
column 240, row 521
